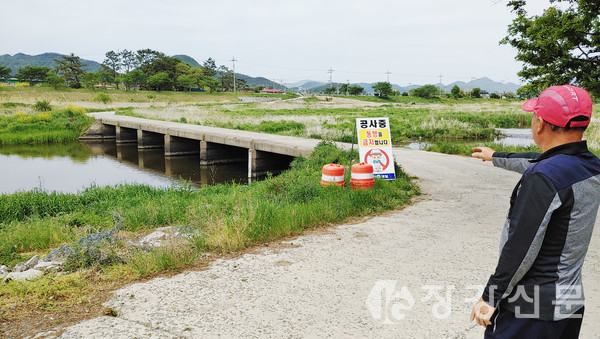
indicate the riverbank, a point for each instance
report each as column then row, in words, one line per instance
column 217, row 219
column 53, row 126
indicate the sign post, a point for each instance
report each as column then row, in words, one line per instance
column 375, row 146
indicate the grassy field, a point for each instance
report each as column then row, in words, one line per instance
column 31, row 95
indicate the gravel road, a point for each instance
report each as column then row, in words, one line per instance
column 411, row 273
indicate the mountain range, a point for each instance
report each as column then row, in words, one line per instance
column 484, row 83
column 20, row 60
column 14, row 62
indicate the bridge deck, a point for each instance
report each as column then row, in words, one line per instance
column 264, row 152
column 279, row 144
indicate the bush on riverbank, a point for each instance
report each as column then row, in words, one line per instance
column 62, row 125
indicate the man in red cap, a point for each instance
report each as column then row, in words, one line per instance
column 536, row 289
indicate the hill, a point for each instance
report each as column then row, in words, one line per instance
column 187, row 59
column 255, row 81
column 19, row 60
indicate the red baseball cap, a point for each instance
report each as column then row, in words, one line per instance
column 562, row 106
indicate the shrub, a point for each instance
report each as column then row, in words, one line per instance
column 103, row 98
column 22, row 84
column 42, row 106
column 23, row 117
column 73, row 110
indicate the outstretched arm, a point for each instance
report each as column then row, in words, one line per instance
column 517, row 162
column 483, row 153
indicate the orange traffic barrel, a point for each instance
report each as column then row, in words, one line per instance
column 333, row 174
column 362, row 176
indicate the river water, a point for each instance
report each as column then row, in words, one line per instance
column 510, row 137
column 74, row 166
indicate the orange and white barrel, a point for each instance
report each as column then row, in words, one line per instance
column 333, row 174
column 362, row 176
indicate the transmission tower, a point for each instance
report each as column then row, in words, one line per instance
column 388, row 75
column 330, row 71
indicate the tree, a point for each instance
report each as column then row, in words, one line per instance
column 384, row 89
column 226, row 77
column 210, row 67
column 70, row 68
column 161, row 63
column 112, row 65
column 427, row 91
column 90, row 80
column 128, row 60
column 5, row 73
column 135, row 78
column 52, row 79
column 146, row 56
column 330, row 90
column 355, row 90
column 528, row 91
column 560, row 46
column 33, row 74
column 187, row 82
column 160, row 81
column 476, row 92
column 344, row 89
column 455, row 91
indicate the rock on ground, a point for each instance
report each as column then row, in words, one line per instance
column 411, row 273
column 30, row 274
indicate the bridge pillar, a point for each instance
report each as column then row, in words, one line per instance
column 126, row 135
column 127, row 153
column 99, row 131
column 212, row 153
column 175, row 146
column 146, row 139
column 261, row 162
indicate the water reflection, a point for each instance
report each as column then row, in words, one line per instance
column 75, row 166
column 509, row 137
column 515, row 137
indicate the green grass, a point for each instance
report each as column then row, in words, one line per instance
column 46, row 127
column 223, row 217
column 406, row 123
column 466, row 148
column 32, row 94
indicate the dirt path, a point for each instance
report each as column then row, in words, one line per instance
column 385, row 277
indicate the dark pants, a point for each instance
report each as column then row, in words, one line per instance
column 506, row 325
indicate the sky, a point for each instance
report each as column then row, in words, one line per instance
column 286, row 41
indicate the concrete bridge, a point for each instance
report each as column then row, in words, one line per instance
column 213, row 145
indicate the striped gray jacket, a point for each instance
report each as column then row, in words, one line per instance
column 547, row 231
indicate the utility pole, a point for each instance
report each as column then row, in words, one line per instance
column 347, row 86
column 233, row 60
column 440, row 84
column 388, row 75
column 330, row 71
